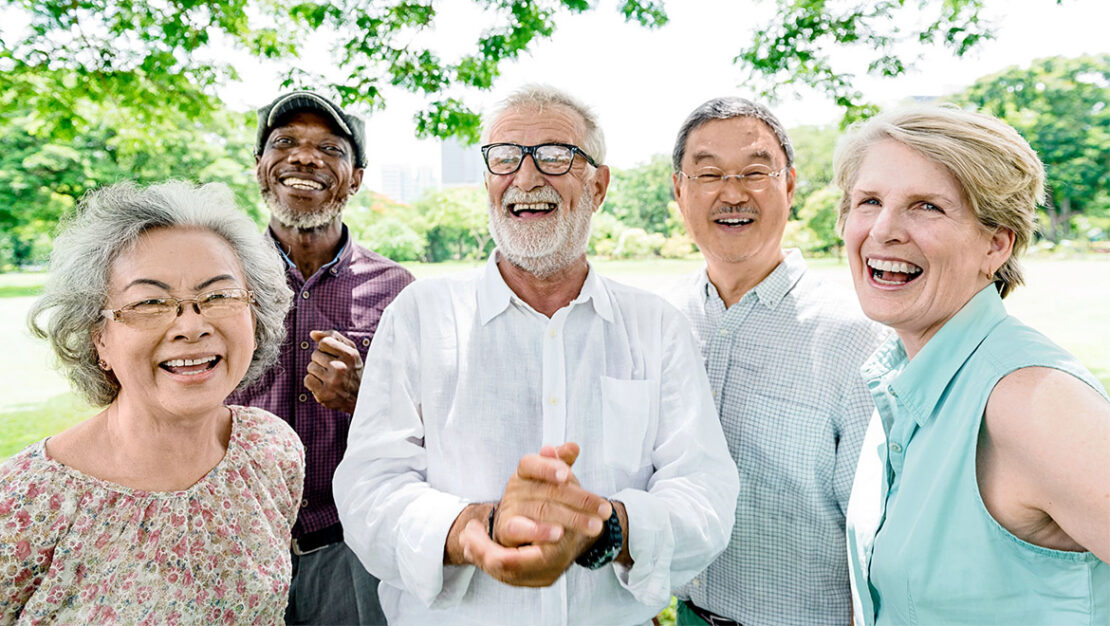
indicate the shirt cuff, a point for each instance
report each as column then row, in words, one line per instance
column 651, row 546
column 422, row 536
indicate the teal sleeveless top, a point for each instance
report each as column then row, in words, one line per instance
column 922, row 547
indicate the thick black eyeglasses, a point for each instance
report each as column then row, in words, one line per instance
column 553, row 159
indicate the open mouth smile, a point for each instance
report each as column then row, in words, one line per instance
column 733, row 220
column 190, row 367
column 301, row 183
column 519, row 209
column 892, row 273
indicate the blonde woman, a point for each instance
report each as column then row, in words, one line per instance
column 981, row 494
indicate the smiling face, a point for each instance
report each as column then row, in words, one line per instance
column 541, row 223
column 189, row 365
column 306, row 171
column 738, row 231
column 917, row 252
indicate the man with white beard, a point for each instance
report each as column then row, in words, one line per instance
column 533, row 442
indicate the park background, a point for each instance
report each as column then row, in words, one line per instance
column 97, row 91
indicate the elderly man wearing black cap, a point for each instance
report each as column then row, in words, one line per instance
column 310, row 156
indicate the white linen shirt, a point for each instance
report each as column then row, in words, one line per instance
column 463, row 379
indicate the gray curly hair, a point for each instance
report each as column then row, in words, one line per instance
column 108, row 223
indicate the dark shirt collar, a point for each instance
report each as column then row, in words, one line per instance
column 342, row 258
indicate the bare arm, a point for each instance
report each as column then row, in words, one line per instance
column 1044, row 460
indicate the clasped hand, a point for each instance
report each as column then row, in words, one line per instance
column 335, row 371
column 545, row 519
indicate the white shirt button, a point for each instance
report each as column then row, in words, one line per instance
column 553, row 401
column 895, row 447
column 304, row 294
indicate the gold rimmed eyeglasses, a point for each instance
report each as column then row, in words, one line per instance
column 755, row 179
column 155, row 312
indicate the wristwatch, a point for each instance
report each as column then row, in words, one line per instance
column 607, row 546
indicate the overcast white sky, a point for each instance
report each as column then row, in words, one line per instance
column 642, row 83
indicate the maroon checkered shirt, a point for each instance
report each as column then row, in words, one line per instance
column 347, row 295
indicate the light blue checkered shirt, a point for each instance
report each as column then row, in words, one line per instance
column 784, row 363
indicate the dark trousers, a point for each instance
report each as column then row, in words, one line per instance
column 330, row 586
column 686, row 616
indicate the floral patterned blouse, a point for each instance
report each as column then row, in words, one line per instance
column 79, row 550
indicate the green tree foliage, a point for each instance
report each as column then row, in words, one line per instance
column 43, row 174
column 169, row 55
column 154, row 53
column 792, row 49
column 638, row 196
column 818, row 214
column 813, row 153
column 386, row 226
column 394, row 238
column 1062, row 107
column 457, row 221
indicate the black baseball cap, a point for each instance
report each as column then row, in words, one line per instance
column 349, row 124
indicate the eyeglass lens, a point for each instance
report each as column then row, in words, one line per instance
column 551, row 159
column 754, row 179
column 212, row 304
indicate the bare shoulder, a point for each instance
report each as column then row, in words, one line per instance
column 1041, row 401
column 1044, row 460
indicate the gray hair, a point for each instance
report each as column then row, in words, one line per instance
column 537, row 97
column 109, row 222
column 726, row 109
column 1001, row 176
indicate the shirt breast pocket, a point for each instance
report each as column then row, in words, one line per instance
column 626, row 413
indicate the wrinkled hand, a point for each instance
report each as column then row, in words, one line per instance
column 335, row 371
column 543, row 522
column 544, row 498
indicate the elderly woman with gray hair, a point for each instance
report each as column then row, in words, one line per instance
column 167, row 506
column 981, row 493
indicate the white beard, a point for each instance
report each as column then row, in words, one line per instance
column 546, row 246
column 301, row 220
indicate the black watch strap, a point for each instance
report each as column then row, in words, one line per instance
column 607, row 546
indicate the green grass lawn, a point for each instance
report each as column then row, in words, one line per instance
column 1067, row 299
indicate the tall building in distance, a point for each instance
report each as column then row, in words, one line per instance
column 460, row 165
column 440, row 164
column 405, row 183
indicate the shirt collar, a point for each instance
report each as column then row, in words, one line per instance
column 772, row 289
column 924, row 379
column 494, row 295
column 341, row 260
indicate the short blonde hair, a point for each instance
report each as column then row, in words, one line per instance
column 1001, row 176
